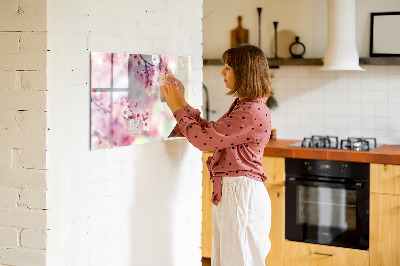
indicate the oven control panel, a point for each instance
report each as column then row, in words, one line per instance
column 337, row 169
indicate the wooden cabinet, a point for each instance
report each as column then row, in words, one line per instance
column 206, row 226
column 274, row 168
column 385, row 230
column 385, row 215
column 385, row 178
column 304, row 254
column 277, row 233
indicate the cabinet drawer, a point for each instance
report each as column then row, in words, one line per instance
column 304, row 254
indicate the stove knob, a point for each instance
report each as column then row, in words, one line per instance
column 308, row 166
column 343, row 168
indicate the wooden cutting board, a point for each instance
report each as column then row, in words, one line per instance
column 239, row 35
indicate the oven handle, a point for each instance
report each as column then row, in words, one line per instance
column 357, row 185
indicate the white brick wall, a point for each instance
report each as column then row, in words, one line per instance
column 138, row 205
column 23, row 132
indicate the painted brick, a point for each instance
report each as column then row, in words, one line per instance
column 33, row 159
column 30, row 61
column 176, row 7
column 197, row 77
column 16, row 158
column 80, row 227
column 168, row 20
column 34, row 120
column 197, row 167
column 8, row 80
column 23, row 178
column 79, row 176
column 33, row 199
column 36, row 7
column 192, row 49
column 8, row 197
column 98, row 222
column 5, row 159
column 137, row 45
column 96, row 42
column 8, row 6
column 197, row 38
column 15, row 139
column 191, row 23
column 155, row 32
column 196, row 10
column 123, row 166
column 33, row 239
column 31, row 80
column 23, row 218
column 9, row 42
column 17, row 256
column 197, row 61
column 96, row 173
column 8, row 237
column 23, row 100
column 23, row 22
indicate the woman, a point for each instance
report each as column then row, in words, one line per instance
column 242, row 208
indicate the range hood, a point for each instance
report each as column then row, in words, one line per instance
column 341, row 51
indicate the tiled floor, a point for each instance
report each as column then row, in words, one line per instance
column 206, row 261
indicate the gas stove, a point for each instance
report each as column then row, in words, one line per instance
column 332, row 142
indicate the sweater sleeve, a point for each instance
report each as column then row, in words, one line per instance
column 193, row 113
column 229, row 131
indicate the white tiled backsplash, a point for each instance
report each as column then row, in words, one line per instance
column 312, row 102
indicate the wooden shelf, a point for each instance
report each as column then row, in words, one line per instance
column 273, row 63
column 380, row 61
column 295, row 62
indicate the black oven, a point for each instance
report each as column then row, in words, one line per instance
column 327, row 202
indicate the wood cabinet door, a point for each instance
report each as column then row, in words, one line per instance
column 206, row 225
column 384, row 236
column 385, row 178
column 304, row 254
column 274, row 168
column 277, row 233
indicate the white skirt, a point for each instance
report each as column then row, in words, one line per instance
column 241, row 223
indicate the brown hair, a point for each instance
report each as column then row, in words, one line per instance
column 250, row 66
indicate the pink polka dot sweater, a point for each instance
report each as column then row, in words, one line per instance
column 238, row 139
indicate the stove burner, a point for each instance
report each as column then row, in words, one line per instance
column 328, row 142
column 358, row 144
column 332, row 142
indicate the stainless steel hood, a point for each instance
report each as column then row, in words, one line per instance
column 341, row 51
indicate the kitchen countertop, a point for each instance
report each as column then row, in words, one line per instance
column 389, row 154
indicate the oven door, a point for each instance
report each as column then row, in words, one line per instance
column 327, row 213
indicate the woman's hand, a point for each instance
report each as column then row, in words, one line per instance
column 181, row 91
column 173, row 93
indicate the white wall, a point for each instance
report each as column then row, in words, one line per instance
column 344, row 103
column 23, row 133
column 306, row 19
column 138, row 205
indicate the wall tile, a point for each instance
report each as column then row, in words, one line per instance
column 394, row 97
column 365, row 99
